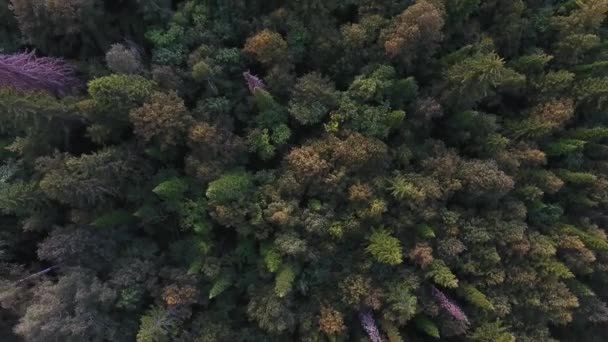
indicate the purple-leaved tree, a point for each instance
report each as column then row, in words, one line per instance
column 253, row 82
column 369, row 325
column 446, row 304
column 25, row 71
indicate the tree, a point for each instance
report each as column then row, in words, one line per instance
column 492, row 332
column 112, row 97
column 450, row 307
column 123, row 59
column 578, row 30
column 312, row 98
column 230, row 187
column 385, row 248
column 214, row 148
column 483, row 178
column 77, row 307
column 122, row 91
column 156, row 325
column 271, row 313
column 442, row 275
column 303, row 170
column 89, row 180
column 41, row 22
column 267, row 47
column 163, row 118
column 369, row 325
column 476, row 77
column 415, row 30
column 401, row 300
column 544, row 119
column 25, row 71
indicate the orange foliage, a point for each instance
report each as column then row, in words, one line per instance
column 419, row 26
column 331, row 321
column 267, row 47
column 164, row 117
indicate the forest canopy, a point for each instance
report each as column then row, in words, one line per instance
column 305, row 170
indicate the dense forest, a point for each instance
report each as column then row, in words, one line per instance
column 303, row 170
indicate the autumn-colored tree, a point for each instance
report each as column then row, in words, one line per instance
column 164, row 118
column 303, row 170
column 416, row 30
column 267, row 47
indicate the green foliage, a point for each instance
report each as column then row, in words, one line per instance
column 402, row 303
column 441, row 274
column 474, row 129
column 312, row 98
column 232, row 186
column 192, row 216
column 544, row 214
column 260, row 142
column 113, row 219
column 589, row 134
column 112, row 97
column 120, row 91
column 427, row 326
column 366, row 106
column 29, row 111
column 391, row 331
column 129, row 298
column 169, row 48
column 171, row 190
column 531, row 64
column 555, row 269
column 478, row 76
column 163, row 174
column 185, row 29
column 476, row 297
column 385, row 248
column 270, row 312
column 590, row 240
column 460, row 10
column 272, row 259
column 425, row 231
column 564, row 147
column 492, row 332
column 284, row 281
column 593, row 91
column 201, row 71
column 580, row 289
column 401, row 187
column 280, row 134
column 271, row 130
column 19, row 197
column 576, row 177
column 156, row 326
column 88, row 180
column 220, row 285
column 267, row 106
column 555, row 82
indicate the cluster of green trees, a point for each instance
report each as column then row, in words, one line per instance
column 306, row 170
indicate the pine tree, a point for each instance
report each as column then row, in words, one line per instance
column 385, row 248
column 441, row 274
